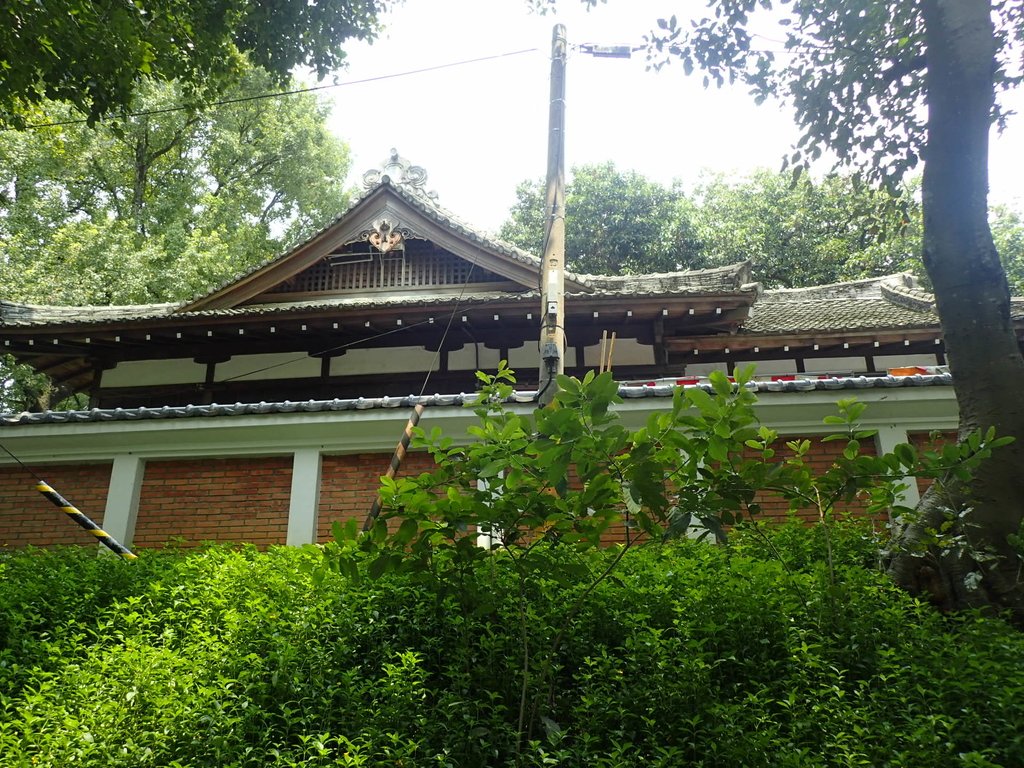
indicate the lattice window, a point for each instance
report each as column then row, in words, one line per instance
column 359, row 267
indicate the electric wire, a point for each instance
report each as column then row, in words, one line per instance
column 292, row 92
column 574, row 48
column 20, row 463
column 347, row 345
column 451, row 319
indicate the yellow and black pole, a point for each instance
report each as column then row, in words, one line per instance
column 76, row 514
column 72, row 511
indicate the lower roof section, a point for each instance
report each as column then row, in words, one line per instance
column 910, row 403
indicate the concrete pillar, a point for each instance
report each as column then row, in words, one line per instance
column 305, row 497
column 889, row 437
column 123, row 497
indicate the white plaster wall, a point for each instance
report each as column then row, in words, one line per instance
column 835, row 365
column 626, row 352
column 143, row 373
column 393, row 360
column 767, row 367
column 527, row 356
column 465, row 359
column 294, row 365
column 897, row 361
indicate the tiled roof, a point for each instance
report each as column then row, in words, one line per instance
column 728, row 279
column 866, row 288
column 1017, row 308
column 362, row 404
column 875, row 303
column 424, row 205
column 13, row 314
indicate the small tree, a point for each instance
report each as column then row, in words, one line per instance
column 883, row 86
column 545, row 490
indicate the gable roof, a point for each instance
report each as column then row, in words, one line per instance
column 416, row 214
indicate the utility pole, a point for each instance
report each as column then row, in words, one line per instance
column 552, row 337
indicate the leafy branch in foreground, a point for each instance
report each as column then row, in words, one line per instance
column 539, row 497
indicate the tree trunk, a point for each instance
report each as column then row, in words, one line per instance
column 973, row 301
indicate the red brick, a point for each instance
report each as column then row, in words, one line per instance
column 222, row 500
column 27, row 518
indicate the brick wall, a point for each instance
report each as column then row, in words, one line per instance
column 349, row 484
column 247, row 499
column 197, row 500
column 26, row 518
column 819, row 458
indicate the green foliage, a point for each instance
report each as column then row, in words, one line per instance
column 412, row 645
column 543, row 491
column 21, row 388
column 45, row 595
column 572, row 470
column 162, row 206
column 95, row 54
column 796, row 233
column 693, row 655
column 854, row 72
column 1008, row 234
column 616, row 222
column 852, row 540
column 809, row 233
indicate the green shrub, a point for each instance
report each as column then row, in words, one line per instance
column 691, row 655
column 853, row 540
column 46, row 595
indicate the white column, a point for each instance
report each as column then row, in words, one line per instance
column 487, row 540
column 123, row 497
column 305, row 497
column 889, row 437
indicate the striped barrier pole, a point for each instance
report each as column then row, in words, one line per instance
column 75, row 514
column 396, row 462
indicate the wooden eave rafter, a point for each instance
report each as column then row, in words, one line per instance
column 386, row 200
column 72, row 339
column 805, row 344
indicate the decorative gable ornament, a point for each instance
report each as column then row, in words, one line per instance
column 386, row 236
column 399, row 171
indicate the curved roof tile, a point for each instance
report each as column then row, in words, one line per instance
column 451, row 400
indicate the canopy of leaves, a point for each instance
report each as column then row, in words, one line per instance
column 796, row 233
column 616, row 222
column 163, row 205
column 807, row 233
column 96, row 53
column 853, row 71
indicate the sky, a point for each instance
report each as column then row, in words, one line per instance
column 481, row 128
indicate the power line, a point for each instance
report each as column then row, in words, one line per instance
column 311, row 89
column 304, row 356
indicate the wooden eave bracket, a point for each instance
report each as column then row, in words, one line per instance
column 801, row 342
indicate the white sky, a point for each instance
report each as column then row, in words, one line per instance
column 479, row 129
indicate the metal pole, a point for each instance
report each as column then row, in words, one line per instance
column 79, row 517
column 552, row 338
